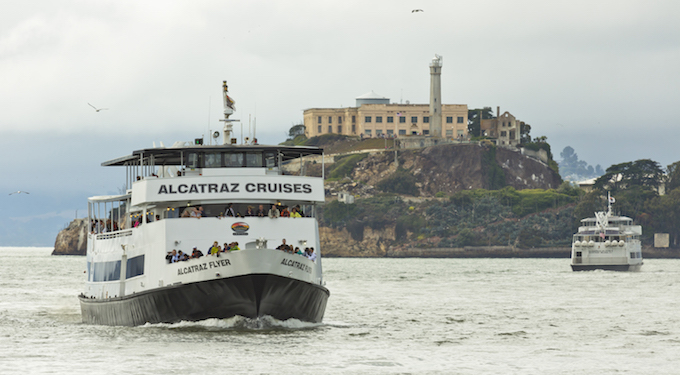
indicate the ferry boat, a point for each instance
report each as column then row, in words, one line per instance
column 607, row 242
column 191, row 196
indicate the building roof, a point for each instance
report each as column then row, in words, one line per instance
column 371, row 95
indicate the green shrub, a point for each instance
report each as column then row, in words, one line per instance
column 399, row 182
column 344, row 165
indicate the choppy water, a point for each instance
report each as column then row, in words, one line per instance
column 385, row 316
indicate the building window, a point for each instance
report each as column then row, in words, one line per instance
column 449, row 119
column 449, row 133
column 339, row 119
column 330, row 128
column 354, row 119
column 390, row 119
column 504, row 133
column 426, row 132
column 318, row 120
column 402, row 131
column 354, row 129
column 319, row 130
column 402, row 120
column 390, row 132
column 426, row 119
column 378, row 132
column 367, row 119
column 378, row 118
column 339, row 129
column 460, row 119
column 330, row 119
column 503, row 124
column 368, row 132
column 414, row 119
column 460, row 133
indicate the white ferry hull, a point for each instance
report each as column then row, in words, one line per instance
column 251, row 296
column 607, row 267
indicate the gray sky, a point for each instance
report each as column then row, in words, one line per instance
column 600, row 76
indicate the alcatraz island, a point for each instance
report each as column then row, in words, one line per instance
column 442, row 180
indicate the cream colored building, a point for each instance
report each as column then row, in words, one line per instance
column 374, row 116
column 505, row 128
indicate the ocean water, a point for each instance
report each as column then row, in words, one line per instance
column 384, row 316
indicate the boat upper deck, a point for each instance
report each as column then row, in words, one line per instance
column 182, row 160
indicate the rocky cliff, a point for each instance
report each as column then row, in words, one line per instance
column 450, row 168
column 72, row 240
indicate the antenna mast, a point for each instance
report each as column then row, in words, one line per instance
column 229, row 109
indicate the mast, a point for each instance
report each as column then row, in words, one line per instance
column 229, row 109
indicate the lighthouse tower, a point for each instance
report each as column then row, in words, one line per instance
column 436, row 96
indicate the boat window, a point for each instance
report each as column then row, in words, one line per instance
column 253, row 159
column 135, row 267
column 193, row 160
column 213, row 159
column 233, row 159
column 270, row 159
column 579, row 253
column 106, row 271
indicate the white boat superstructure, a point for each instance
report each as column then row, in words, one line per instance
column 607, row 242
column 193, row 196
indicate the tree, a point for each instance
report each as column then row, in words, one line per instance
column 643, row 173
column 524, row 130
column 474, row 123
column 571, row 166
column 672, row 176
column 296, row 130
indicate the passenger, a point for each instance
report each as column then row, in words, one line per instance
column 225, row 247
column 249, row 211
column 171, row 255
column 260, row 212
column 312, row 254
column 180, row 255
column 285, row 212
column 283, row 246
column 234, row 246
column 185, row 257
column 215, row 249
column 229, row 211
column 298, row 251
column 197, row 212
column 295, row 213
column 299, row 210
column 274, row 212
column 187, row 212
column 196, row 253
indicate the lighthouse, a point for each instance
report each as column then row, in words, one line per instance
column 436, row 96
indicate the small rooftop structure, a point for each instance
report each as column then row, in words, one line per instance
column 371, row 98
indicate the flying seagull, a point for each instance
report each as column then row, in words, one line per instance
column 416, row 10
column 97, row 109
column 19, row 192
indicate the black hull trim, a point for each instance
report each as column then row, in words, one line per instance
column 251, row 296
column 618, row 267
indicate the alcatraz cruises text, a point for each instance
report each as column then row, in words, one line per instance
column 235, row 188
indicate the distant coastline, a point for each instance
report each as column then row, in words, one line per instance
column 503, row 252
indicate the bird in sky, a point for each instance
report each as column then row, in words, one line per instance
column 19, row 192
column 416, row 10
column 95, row 108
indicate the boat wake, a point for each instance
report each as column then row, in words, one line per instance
column 238, row 323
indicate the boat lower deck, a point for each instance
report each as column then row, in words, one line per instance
column 606, row 267
column 251, row 296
